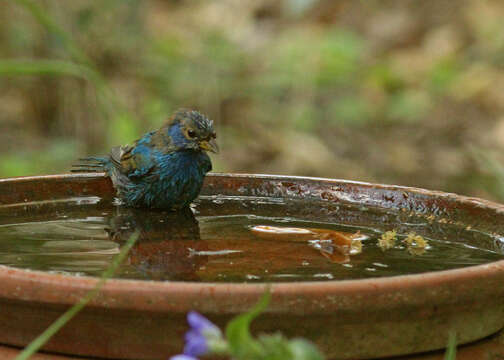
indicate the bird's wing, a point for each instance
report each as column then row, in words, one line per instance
column 133, row 161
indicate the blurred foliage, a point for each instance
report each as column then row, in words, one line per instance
column 391, row 91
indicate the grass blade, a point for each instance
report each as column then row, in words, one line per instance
column 42, row 67
column 107, row 99
column 451, row 349
column 45, row 20
column 36, row 344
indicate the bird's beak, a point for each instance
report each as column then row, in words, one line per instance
column 210, row 145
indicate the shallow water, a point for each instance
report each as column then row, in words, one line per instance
column 214, row 242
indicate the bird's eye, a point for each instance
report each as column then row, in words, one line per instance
column 191, row 133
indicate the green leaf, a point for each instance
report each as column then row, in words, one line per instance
column 241, row 342
column 302, row 349
column 275, row 347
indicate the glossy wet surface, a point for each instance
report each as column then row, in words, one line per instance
column 215, row 242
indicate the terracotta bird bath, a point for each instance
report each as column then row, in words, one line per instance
column 347, row 319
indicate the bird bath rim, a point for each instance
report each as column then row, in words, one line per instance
column 368, row 286
column 362, row 318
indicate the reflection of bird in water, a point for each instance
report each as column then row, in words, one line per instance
column 165, row 168
column 163, row 249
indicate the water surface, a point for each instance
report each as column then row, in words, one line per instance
column 214, row 241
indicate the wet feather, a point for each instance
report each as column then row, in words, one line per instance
column 164, row 168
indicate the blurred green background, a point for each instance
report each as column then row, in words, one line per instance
column 393, row 91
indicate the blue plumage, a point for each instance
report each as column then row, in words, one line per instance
column 165, row 168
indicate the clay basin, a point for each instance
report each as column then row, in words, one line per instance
column 365, row 318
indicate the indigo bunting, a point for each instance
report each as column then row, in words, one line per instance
column 164, row 169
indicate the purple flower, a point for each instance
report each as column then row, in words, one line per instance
column 182, row 357
column 201, row 335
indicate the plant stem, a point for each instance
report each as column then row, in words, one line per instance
column 36, row 344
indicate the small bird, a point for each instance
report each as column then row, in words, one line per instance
column 164, row 169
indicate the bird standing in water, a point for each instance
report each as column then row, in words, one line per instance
column 164, row 169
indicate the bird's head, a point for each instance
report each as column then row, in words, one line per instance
column 190, row 129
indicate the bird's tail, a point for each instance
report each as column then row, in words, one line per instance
column 90, row 165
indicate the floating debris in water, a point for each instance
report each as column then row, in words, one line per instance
column 356, row 247
column 415, row 240
column 387, row 240
column 336, row 246
column 335, row 254
column 282, row 233
column 415, row 244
